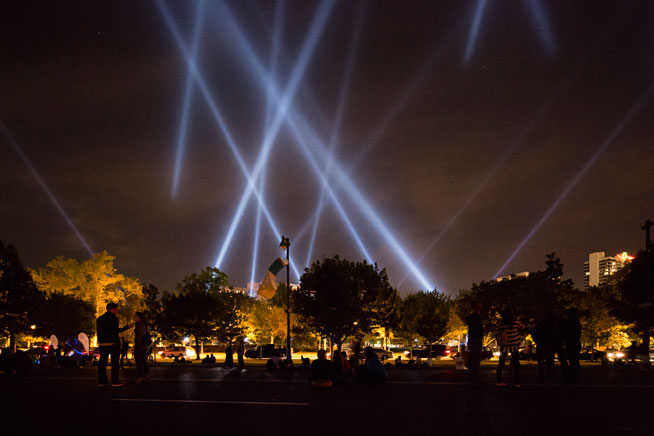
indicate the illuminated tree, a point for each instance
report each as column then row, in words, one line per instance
column 596, row 321
column 94, row 280
column 266, row 322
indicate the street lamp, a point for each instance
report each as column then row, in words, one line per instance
column 285, row 244
column 33, row 326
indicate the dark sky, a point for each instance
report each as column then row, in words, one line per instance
column 92, row 92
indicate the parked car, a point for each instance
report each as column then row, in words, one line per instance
column 264, row 352
column 177, row 351
column 438, row 351
column 382, row 354
column 589, row 353
column 486, row 353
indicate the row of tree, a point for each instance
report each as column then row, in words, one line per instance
column 337, row 299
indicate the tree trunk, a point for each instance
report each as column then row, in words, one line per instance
column 197, row 348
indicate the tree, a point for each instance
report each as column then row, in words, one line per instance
column 340, row 298
column 433, row 314
column 64, row 316
column 266, row 322
column 530, row 298
column 407, row 327
column 203, row 306
column 631, row 301
column 94, row 280
column 18, row 294
column 596, row 322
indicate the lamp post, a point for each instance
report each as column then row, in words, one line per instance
column 285, row 244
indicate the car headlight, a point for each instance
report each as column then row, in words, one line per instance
column 619, row 355
column 160, row 353
column 189, row 353
column 496, row 354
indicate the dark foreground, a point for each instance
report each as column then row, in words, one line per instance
column 196, row 400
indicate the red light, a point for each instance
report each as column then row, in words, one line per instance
column 46, row 347
column 448, row 351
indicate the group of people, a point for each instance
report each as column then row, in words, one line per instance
column 108, row 330
column 324, row 372
column 554, row 335
column 229, row 354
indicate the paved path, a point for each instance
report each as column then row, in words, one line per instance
column 437, row 401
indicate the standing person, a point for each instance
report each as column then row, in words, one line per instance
column 510, row 333
column 109, row 342
column 475, row 337
column 229, row 356
column 123, row 352
column 545, row 338
column 142, row 342
column 240, row 351
column 573, row 343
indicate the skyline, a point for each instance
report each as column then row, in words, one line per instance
column 464, row 148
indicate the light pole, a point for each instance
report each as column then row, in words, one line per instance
column 648, row 259
column 285, row 244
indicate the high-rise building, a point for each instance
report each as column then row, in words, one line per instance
column 599, row 268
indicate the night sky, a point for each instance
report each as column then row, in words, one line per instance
column 92, row 93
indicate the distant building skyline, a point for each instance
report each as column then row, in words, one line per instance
column 599, row 268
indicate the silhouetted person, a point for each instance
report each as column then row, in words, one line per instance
column 573, row 343
column 240, row 352
column 176, row 359
column 341, row 366
column 545, row 335
column 510, row 344
column 322, row 372
column 372, row 371
column 123, row 353
column 59, row 354
column 142, row 342
column 108, row 331
column 212, row 359
column 475, row 338
column 274, row 362
column 52, row 357
column 229, row 356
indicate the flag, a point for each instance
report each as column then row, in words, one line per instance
column 268, row 287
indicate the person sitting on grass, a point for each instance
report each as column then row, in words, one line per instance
column 322, row 372
column 373, row 370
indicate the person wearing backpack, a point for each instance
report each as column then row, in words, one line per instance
column 142, row 342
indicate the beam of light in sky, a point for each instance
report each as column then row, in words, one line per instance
column 186, row 102
column 513, row 146
column 336, row 129
column 264, row 79
column 296, row 123
column 17, row 148
column 474, row 30
column 283, row 103
column 539, row 17
column 276, row 39
column 635, row 108
column 215, row 112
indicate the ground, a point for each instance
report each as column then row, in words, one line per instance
column 200, row 400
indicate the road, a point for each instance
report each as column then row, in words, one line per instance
column 201, row 400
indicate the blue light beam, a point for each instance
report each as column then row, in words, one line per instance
column 276, row 38
column 541, row 22
column 283, row 104
column 186, row 102
column 474, row 30
column 217, row 115
column 637, row 106
column 17, row 148
column 293, row 119
column 336, row 129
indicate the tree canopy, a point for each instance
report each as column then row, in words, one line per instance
column 94, row 280
column 339, row 298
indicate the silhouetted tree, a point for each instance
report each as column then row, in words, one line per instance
column 631, row 301
column 64, row 316
column 340, row 298
column 18, row 294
